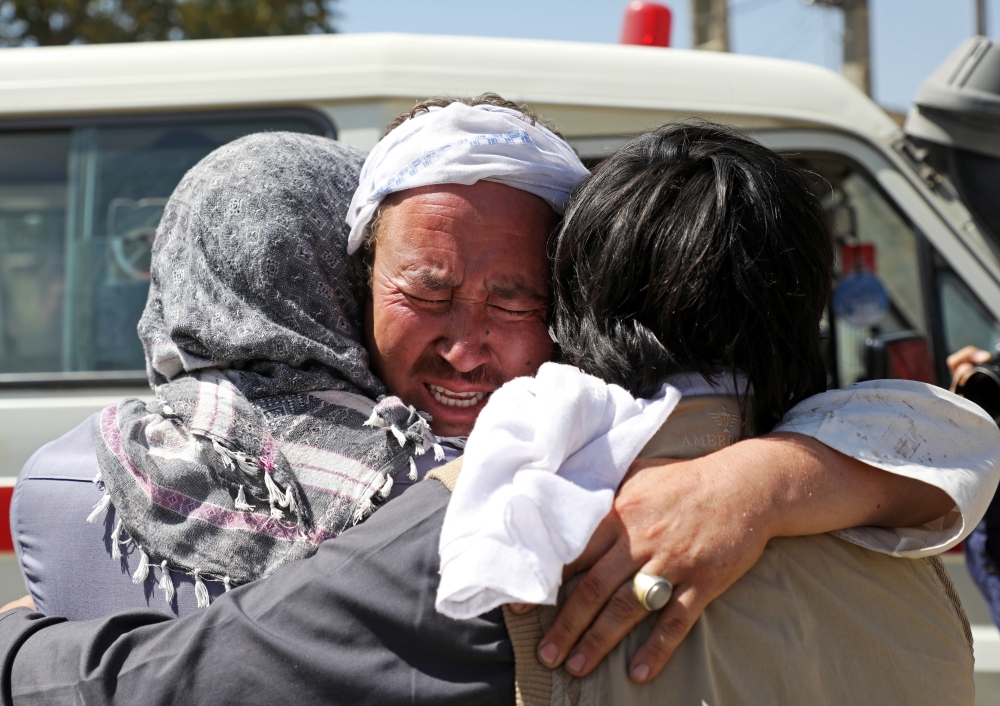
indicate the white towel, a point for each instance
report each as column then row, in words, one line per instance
column 460, row 144
column 541, row 469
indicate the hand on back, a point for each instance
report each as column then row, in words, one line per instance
column 705, row 522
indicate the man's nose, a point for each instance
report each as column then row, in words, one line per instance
column 465, row 345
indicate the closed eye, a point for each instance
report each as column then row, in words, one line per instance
column 434, row 303
column 513, row 314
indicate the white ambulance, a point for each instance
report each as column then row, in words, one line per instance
column 94, row 138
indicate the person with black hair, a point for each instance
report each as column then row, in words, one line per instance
column 676, row 257
column 699, row 258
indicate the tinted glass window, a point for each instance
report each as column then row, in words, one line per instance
column 78, row 212
column 966, row 321
column 978, row 180
column 33, row 193
column 861, row 215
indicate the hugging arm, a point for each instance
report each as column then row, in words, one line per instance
column 857, row 462
column 354, row 624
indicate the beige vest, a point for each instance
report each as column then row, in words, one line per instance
column 817, row 621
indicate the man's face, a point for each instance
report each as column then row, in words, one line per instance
column 459, row 296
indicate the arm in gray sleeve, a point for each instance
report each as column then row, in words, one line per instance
column 16, row 626
column 354, row 624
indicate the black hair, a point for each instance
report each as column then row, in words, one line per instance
column 692, row 248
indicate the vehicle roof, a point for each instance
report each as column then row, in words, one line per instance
column 226, row 73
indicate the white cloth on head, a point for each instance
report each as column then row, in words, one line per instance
column 461, row 144
column 541, row 469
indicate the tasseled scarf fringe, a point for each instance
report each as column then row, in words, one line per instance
column 427, row 440
column 278, row 498
column 236, row 459
column 143, row 571
column 166, row 583
column 116, row 540
column 200, row 591
column 100, row 507
column 280, row 501
column 241, row 501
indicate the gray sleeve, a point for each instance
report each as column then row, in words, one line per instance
column 354, row 624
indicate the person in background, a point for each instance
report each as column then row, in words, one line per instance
column 961, row 362
column 982, row 546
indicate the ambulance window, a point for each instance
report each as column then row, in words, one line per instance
column 877, row 251
column 32, row 235
column 965, row 320
column 78, row 212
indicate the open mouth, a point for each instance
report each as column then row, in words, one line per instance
column 457, row 399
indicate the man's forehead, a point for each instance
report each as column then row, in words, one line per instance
column 486, row 199
column 485, row 220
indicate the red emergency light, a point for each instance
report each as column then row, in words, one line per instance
column 857, row 258
column 647, row 23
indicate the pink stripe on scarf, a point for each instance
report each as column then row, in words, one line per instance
column 191, row 507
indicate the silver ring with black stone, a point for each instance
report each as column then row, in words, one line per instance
column 652, row 591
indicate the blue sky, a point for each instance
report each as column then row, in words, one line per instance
column 909, row 37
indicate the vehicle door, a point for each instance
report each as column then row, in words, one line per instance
column 940, row 294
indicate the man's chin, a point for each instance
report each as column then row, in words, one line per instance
column 452, row 422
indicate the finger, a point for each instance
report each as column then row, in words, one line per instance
column 968, row 356
column 585, row 603
column 622, row 613
column 673, row 625
column 960, row 375
column 521, row 608
column 958, row 357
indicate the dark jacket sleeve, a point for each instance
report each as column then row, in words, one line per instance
column 354, row 624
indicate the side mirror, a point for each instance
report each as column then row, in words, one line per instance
column 901, row 355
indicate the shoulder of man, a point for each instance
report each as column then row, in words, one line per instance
column 447, row 474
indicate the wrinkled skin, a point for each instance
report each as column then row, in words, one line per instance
column 459, row 296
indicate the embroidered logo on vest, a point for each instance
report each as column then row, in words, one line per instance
column 724, row 418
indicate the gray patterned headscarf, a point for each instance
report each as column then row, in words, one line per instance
column 264, row 438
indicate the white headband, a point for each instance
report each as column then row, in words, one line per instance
column 460, row 144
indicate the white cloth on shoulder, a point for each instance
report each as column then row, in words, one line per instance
column 461, row 144
column 915, row 430
column 540, row 473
